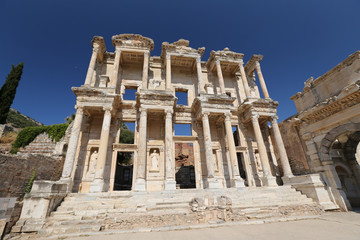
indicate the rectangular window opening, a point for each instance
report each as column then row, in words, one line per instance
column 236, row 135
column 182, row 96
column 130, row 93
column 127, row 131
column 182, row 129
column 229, row 95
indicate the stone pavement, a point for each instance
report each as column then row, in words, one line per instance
column 335, row 225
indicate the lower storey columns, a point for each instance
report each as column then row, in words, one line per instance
column 268, row 179
column 98, row 184
column 281, row 148
column 236, row 180
column 170, row 183
column 73, row 144
column 140, row 184
column 211, row 182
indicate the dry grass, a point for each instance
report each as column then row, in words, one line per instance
column 9, row 137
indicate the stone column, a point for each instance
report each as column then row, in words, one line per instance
column 170, row 183
column 280, row 147
column 91, row 68
column 220, row 76
column 140, row 184
column 73, row 144
column 211, row 182
column 98, row 183
column 199, row 73
column 168, row 72
column 244, row 79
column 268, row 179
column 236, row 180
column 145, row 71
column 262, row 81
column 115, row 73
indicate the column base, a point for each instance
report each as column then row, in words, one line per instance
column 170, row 185
column 237, row 183
column 212, row 183
column 68, row 181
column 269, row 181
column 97, row 186
column 140, row 185
column 287, row 180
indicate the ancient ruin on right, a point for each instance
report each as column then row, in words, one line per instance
column 322, row 139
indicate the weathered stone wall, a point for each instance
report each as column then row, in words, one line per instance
column 294, row 148
column 16, row 171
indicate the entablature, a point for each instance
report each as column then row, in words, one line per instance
column 263, row 108
column 229, row 60
column 251, row 64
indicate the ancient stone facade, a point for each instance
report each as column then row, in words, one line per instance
column 221, row 96
column 328, row 130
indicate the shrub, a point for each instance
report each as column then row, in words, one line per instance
column 28, row 134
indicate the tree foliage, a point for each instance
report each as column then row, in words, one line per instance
column 28, row 134
column 8, row 91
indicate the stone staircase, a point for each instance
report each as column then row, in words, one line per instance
column 42, row 144
column 126, row 211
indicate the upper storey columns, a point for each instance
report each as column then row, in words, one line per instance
column 199, row 73
column 220, row 76
column 244, row 79
column 145, row 70
column 115, row 73
column 98, row 50
column 168, row 72
column 254, row 65
column 262, row 81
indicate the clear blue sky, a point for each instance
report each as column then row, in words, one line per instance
column 298, row 39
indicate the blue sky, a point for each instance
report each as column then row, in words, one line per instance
column 298, row 39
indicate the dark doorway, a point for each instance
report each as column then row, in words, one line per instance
column 184, row 165
column 241, row 166
column 124, row 171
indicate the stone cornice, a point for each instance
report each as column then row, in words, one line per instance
column 310, row 83
column 332, row 105
column 224, row 56
column 251, row 64
column 181, row 47
column 133, row 41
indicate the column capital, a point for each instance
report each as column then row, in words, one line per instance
column 241, row 62
column 117, row 50
column 198, row 59
column 146, row 54
column 254, row 116
column 217, row 61
column 79, row 108
column 257, row 64
column 274, row 118
column 96, row 48
column 228, row 116
column 169, row 111
column 206, row 113
column 107, row 109
column 168, row 56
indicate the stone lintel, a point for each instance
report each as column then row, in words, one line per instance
column 251, row 64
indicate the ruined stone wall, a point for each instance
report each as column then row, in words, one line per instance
column 16, row 171
column 294, row 147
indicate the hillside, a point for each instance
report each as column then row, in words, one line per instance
column 16, row 120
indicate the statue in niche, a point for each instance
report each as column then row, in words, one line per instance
column 154, row 160
column 92, row 164
column 258, row 162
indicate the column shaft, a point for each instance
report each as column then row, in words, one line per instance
column 170, row 183
column 141, row 161
column 199, row 73
column 210, row 163
column 281, row 148
column 73, row 144
column 232, row 148
column 168, row 72
column 103, row 147
column 145, row 71
column 262, row 81
column 115, row 73
column 91, row 68
column 261, row 147
column 244, row 79
column 220, row 76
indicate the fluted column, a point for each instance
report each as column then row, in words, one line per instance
column 98, row 183
column 220, row 76
column 244, row 79
column 236, row 180
column 91, row 68
column 262, row 81
column 115, row 73
column 268, row 179
column 281, row 148
column 170, row 183
column 73, row 144
column 199, row 73
column 140, row 184
column 168, row 72
column 145, row 71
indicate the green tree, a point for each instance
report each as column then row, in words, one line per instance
column 8, row 91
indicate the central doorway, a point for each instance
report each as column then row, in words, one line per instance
column 124, row 171
column 184, row 166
